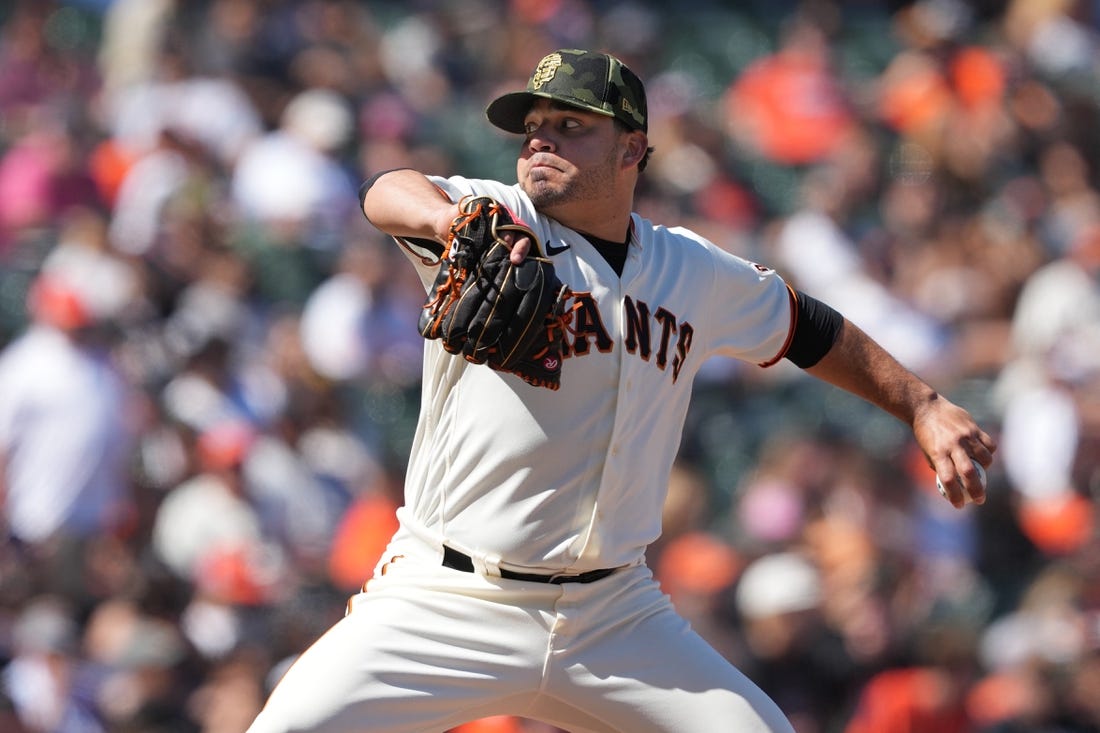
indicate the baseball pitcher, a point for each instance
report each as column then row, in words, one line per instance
column 557, row 376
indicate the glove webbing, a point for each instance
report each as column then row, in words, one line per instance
column 459, row 266
column 472, row 235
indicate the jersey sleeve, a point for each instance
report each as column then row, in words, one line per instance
column 752, row 312
column 425, row 255
column 456, row 187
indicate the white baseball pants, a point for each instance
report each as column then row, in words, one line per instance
column 425, row 648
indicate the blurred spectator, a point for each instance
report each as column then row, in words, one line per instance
column 1050, row 37
column 1049, row 389
column 39, row 680
column 43, row 175
column 793, row 655
column 290, row 183
column 173, row 165
column 66, row 413
column 153, row 82
column 1040, row 658
column 137, row 669
column 208, row 515
column 697, row 569
column 229, row 698
column 820, row 257
column 360, row 538
column 916, row 699
column 790, row 106
column 355, row 325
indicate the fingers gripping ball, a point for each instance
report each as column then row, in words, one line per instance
column 966, row 494
column 492, row 311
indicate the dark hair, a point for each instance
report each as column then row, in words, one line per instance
column 623, row 127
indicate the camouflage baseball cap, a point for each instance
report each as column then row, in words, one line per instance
column 591, row 81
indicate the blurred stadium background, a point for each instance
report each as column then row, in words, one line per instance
column 209, row 375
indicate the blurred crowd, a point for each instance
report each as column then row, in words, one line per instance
column 209, row 371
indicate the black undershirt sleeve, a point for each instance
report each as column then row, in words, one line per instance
column 817, row 327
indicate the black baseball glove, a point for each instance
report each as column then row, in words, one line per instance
column 492, row 311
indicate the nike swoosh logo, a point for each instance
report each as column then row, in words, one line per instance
column 551, row 250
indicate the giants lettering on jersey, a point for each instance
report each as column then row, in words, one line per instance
column 656, row 334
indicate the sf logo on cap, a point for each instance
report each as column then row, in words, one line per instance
column 545, row 71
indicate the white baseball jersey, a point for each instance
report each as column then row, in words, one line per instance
column 531, row 479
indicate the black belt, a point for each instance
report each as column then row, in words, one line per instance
column 458, row 561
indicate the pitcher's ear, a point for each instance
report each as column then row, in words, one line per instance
column 635, row 149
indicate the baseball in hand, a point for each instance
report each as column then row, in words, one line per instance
column 966, row 494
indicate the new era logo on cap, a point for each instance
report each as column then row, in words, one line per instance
column 596, row 82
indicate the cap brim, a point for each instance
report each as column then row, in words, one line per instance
column 508, row 110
